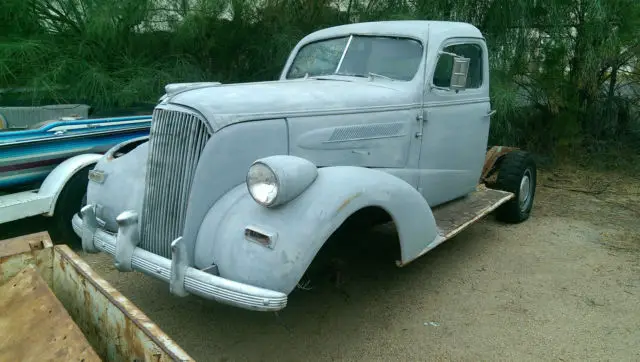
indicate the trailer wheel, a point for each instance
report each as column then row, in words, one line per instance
column 517, row 174
column 72, row 198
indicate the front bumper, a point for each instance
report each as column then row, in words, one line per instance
column 182, row 278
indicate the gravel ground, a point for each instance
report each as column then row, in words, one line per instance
column 565, row 285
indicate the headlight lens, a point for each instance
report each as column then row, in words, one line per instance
column 262, row 183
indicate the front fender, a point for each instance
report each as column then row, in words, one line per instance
column 123, row 185
column 125, row 147
column 300, row 227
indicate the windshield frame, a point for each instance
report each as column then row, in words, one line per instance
column 350, row 36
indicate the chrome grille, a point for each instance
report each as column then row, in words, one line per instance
column 176, row 142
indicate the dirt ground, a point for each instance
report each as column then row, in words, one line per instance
column 564, row 285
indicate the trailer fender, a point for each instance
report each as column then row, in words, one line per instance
column 57, row 179
column 273, row 247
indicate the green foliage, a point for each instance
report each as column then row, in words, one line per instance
column 564, row 77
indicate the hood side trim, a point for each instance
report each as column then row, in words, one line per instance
column 223, row 120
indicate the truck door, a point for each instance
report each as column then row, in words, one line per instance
column 370, row 137
column 455, row 126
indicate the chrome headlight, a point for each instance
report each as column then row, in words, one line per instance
column 262, row 183
column 277, row 180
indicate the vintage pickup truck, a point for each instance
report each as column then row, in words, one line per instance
column 240, row 185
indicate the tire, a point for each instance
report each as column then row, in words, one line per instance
column 72, row 198
column 517, row 173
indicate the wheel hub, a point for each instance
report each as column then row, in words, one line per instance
column 525, row 190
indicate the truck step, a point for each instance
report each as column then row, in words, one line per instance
column 22, row 204
column 457, row 215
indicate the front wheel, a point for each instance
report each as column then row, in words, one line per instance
column 517, row 174
column 72, row 198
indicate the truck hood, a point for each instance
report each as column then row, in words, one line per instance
column 226, row 104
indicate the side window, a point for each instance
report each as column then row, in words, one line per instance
column 442, row 74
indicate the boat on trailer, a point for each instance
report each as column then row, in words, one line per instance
column 28, row 156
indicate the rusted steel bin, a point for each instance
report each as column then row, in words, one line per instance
column 53, row 306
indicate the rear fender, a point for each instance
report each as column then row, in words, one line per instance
column 299, row 228
column 492, row 160
column 57, row 179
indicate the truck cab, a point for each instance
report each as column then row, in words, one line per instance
column 404, row 117
column 240, row 185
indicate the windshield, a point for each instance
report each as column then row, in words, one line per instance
column 361, row 56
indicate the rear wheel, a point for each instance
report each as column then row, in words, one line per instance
column 517, row 174
column 72, row 198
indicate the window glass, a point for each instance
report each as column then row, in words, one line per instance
column 319, row 58
column 442, row 74
column 396, row 58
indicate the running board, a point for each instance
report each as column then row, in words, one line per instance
column 457, row 215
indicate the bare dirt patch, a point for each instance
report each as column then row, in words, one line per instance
column 565, row 285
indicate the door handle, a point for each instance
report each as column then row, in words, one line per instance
column 491, row 113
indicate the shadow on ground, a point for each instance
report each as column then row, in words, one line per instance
column 22, row 227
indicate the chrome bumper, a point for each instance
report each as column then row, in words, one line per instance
column 182, row 278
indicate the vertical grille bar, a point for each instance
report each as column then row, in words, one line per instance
column 176, row 143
